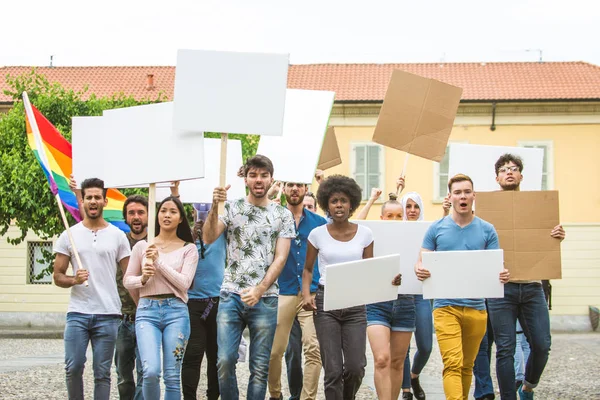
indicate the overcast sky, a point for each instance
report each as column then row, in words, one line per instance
column 134, row 32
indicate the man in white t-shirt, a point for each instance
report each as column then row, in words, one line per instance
column 94, row 307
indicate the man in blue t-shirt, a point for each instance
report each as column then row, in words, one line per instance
column 290, row 299
column 459, row 323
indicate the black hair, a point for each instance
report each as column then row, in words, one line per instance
column 393, row 199
column 184, row 232
column 505, row 159
column 339, row 184
column 259, row 162
column 93, row 183
column 136, row 198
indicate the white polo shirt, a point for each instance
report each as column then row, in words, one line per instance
column 100, row 252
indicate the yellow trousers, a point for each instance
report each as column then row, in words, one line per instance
column 459, row 332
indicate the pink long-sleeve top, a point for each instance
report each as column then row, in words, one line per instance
column 174, row 271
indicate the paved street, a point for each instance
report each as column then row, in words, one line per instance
column 34, row 369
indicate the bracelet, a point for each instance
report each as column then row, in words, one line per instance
column 176, row 197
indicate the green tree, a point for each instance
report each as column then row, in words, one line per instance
column 25, row 197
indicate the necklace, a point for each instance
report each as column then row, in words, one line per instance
column 164, row 246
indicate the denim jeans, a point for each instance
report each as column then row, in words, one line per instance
column 342, row 338
column 203, row 339
column 525, row 302
column 162, row 324
column 521, row 354
column 481, row 369
column 127, row 358
column 293, row 361
column 232, row 318
column 80, row 329
column 423, row 338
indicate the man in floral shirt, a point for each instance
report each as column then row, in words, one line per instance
column 259, row 233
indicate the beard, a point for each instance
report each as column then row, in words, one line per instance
column 293, row 202
column 137, row 229
column 510, row 185
column 258, row 195
column 99, row 211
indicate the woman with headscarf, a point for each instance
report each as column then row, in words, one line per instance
column 412, row 207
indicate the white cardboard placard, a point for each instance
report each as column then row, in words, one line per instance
column 404, row 238
column 295, row 155
column 472, row 274
column 201, row 190
column 361, row 282
column 147, row 148
column 477, row 161
column 88, row 138
column 230, row 92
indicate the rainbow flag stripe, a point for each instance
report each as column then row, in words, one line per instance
column 59, row 155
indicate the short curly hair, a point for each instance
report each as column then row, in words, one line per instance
column 339, row 184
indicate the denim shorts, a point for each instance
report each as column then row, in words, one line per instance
column 399, row 315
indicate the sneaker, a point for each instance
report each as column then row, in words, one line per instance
column 486, row 397
column 518, row 385
column 523, row 395
column 417, row 389
column 407, row 396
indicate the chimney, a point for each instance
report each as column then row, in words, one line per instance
column 150, row 82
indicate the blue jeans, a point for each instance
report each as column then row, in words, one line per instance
column 233, row 316
column 521, row 354
column 162, row 324
column 126, row 354
column 423, row 337
column 525, row 302
column 293, row 361
column 481, row 368
column 80, row 329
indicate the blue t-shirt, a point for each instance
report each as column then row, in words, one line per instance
column 446, row 235
column 211, row 269
column 290, row 279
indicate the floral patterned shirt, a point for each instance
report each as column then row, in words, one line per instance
column 252, row 234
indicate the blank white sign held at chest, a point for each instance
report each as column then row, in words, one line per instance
column 230, row 92
column 477, row 161
column 473, row 274
column 403, row 238
column 295, row 155
column 361, row 282
column 144, row 148
column 201, row 190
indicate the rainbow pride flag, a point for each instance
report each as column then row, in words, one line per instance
column 57, row 162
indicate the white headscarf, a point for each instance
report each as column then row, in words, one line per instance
column 414, row 196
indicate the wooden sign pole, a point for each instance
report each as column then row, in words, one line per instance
column 223, row 168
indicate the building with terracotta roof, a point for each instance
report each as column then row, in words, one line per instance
column 551, row 105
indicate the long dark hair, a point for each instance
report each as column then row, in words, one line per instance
column 184, row 232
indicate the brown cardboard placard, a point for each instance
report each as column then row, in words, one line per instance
column 330, row 152
column 524, row 221
column 417, row 115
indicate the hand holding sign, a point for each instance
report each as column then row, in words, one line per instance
column 220, row 194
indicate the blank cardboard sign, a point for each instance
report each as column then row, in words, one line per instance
column 295, row 154
column 361, row 282
column 524, row 221
column 150, row 151
column 230, row 92
column 417, row 115
column 201, row 190
column 477, row 161
column 403, row 238
column 87, row 139
column 330, row 153
column 472, row 274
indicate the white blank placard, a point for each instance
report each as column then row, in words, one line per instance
column 361, row 282
column 145, row 149
column 295, row 155
column 88, row 138
column 477, row 161
column 201, row 190
column 471, row 274
column 230, row 92
column 403, row 238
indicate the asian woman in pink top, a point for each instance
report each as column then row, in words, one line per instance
column 163, row 272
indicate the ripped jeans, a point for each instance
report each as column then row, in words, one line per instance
column 162, row 323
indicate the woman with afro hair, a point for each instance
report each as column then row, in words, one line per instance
column 341, row 333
